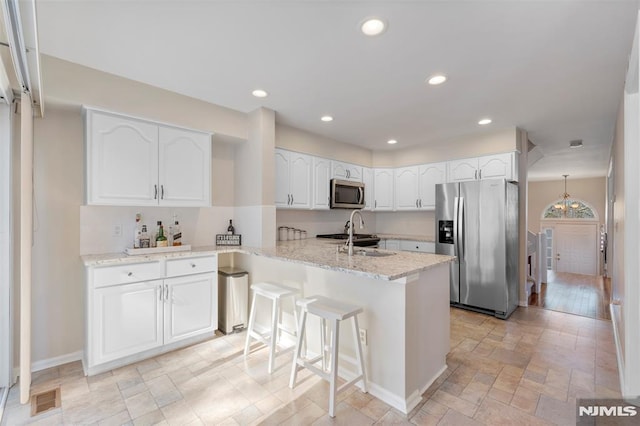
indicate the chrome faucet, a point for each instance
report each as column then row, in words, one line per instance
column 361, row 223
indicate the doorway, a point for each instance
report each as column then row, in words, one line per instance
column 576, row 248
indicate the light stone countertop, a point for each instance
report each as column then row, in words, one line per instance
column 313, row 252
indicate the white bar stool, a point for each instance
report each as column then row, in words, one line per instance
column 270, row 337
column 334, row 312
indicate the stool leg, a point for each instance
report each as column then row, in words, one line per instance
column 323, row 343
column 252, row 318
column 297, row 353
column 333, row 378
column 274, row 334
column 356, row 333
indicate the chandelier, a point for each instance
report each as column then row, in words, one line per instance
column 564, row 203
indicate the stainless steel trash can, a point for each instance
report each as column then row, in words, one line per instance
column 233, row 299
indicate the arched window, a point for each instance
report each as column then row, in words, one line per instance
column 569, row 209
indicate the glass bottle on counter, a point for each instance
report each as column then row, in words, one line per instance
column 144, row 237
column 161, row 240
column 176, row 239
column 230, row 229
column 137, row 232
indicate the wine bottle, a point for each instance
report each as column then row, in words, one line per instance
column 230, row 229
column 161, row 240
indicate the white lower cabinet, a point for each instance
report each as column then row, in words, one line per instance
column 188, row 310
column 128, row 321
column 409, row 245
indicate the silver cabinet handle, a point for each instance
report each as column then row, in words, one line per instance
column 193, row 265
column 375, row 204
column 166, row 290
column 291, row 199
column 480, row 174
column 129, row 274
column 420, row 202
column 348, row 173
column 416, row 202
column 162, row 192
column 155, row 192
column 476, row 175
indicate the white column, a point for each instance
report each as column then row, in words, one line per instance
column 26, row 242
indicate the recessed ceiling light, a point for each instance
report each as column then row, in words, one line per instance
column 373, row 26
column 259, row 93
column 484, row 121
column 392, row 141
column 576, row 143
column 437, row 79
column 326, row 118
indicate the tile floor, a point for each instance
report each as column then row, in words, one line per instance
column 528, row 370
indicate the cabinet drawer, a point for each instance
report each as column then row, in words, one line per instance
column 419, row 246
column 191, row 265
column 123, row 274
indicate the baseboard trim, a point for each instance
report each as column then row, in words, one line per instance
column 56, row 361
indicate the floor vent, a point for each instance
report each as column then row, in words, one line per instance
column 45, row 401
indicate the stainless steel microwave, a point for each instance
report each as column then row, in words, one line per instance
column 346, row 194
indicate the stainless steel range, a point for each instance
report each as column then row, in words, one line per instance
column 360, row 240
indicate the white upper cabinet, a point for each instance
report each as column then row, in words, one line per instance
column 498, row 166
column 463, row 170
column 382, row 189
column 369, row 194
column 122, row 160
column 184, row 167
column 321, row 183
column 429, row 175
column 293, row 180
column 406, row 188
column 416, row 186
column 346, row 171
column 132, row 162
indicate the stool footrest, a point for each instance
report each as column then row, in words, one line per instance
column 349, row 383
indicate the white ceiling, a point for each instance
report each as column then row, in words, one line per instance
column 553, row 68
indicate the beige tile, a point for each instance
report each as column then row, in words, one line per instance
column 393, row 418
column 492, row 412
column 455, row 418
column 179, row 413
column 155, row 417
column 465, row 407
column 500, row 395
column 305, row 416
column 141, row 404
column 422, row 418
column 475, row 392
column 375, row 409
column 346, row 415
column 116, row 420
column 556, row 411
column 525, row 400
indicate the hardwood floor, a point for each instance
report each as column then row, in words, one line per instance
column 584, row 295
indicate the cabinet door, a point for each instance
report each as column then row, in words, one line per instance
column 383, row 189
column 125, row 320
column 368, row 180
column 346, row 171
column 406, row 184
column 300, row 180
column 184, row 168
column 191, row 308
column 463, row 170
column 282, row 178
column 321, row 178
column 122, row 160
column 429, row 175
column 496, row 166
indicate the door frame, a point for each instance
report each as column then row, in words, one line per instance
column 6, row 257
column 554, row 224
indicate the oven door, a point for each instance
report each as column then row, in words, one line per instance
column 346, row 194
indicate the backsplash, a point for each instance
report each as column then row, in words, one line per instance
column 97, row 225
column 406, row 223
column 322, row 221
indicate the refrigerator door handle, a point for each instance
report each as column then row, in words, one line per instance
column 455, row 227
column 461, row 227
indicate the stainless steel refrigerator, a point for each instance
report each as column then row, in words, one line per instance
column 477, row 222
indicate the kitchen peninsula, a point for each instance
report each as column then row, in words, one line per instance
column 405, row 297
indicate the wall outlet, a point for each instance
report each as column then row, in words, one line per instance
column 363, row 336
column 117, row 230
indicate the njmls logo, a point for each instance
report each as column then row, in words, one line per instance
column 615, row 411
column 620, row 412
